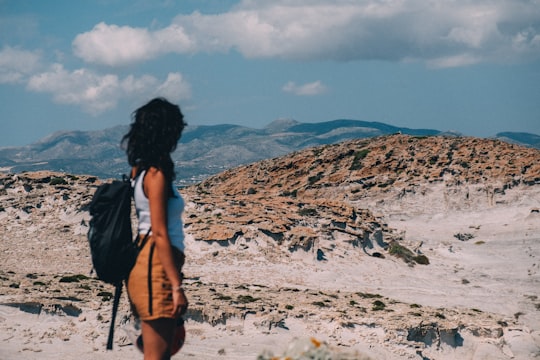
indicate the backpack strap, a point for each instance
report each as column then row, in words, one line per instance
column 116, row 302
column 149, row 279
column 144, row 240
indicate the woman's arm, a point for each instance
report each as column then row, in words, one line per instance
column 157, row 190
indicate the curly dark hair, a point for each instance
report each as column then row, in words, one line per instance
column 153, row 135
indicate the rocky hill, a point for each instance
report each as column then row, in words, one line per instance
column 316, row 193
column 305, row 241
column 203, row 150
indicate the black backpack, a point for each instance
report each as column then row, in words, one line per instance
column 111, row 239
column 110, row 235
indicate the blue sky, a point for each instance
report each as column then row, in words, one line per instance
column 471, row 66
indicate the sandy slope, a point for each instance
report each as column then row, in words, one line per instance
column 487, row 287
column 497, row 271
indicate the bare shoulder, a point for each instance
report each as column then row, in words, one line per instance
column 154, row 178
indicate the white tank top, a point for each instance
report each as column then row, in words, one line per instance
column 175, row 207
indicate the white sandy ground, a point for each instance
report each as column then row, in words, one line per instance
column 497, row 271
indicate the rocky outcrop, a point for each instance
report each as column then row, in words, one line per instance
column 331, row 192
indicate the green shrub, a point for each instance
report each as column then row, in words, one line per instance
column 368, row 295
column 245, row 299
column 313, row 179
column 308, row 212
column 105, row 295
column 407, row 255
column 73, row 278
column 378, row 305
column 440, row 316
column 421, row 259
column 290, row 193
column 401, row 252
column 58, row 181
column 357, row 160
column 319, row 304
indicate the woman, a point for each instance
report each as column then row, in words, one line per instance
column 155, row 283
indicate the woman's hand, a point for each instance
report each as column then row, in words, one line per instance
column 180, row 303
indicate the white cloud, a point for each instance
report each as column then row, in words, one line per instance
column 309, row 89
column 97, row 93
column 175, row 88
column 342, row 30
column 454, row 61
column 117, row 45
column 16, row 64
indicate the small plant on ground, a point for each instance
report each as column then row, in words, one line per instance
column 58, row 181
column 73, row 278
column 223, row 297
column 105, row 295
column 357, row 160
column 246, row 299
column 308, row 212
column 368, row 295
column 400, row 251
column 464, row 236
column 406, row 255
column 378, row 305
column 313, row 179
column 290, row 193
column 319, row 303
column 421, row 259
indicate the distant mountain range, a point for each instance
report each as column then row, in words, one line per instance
column 203, row 150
